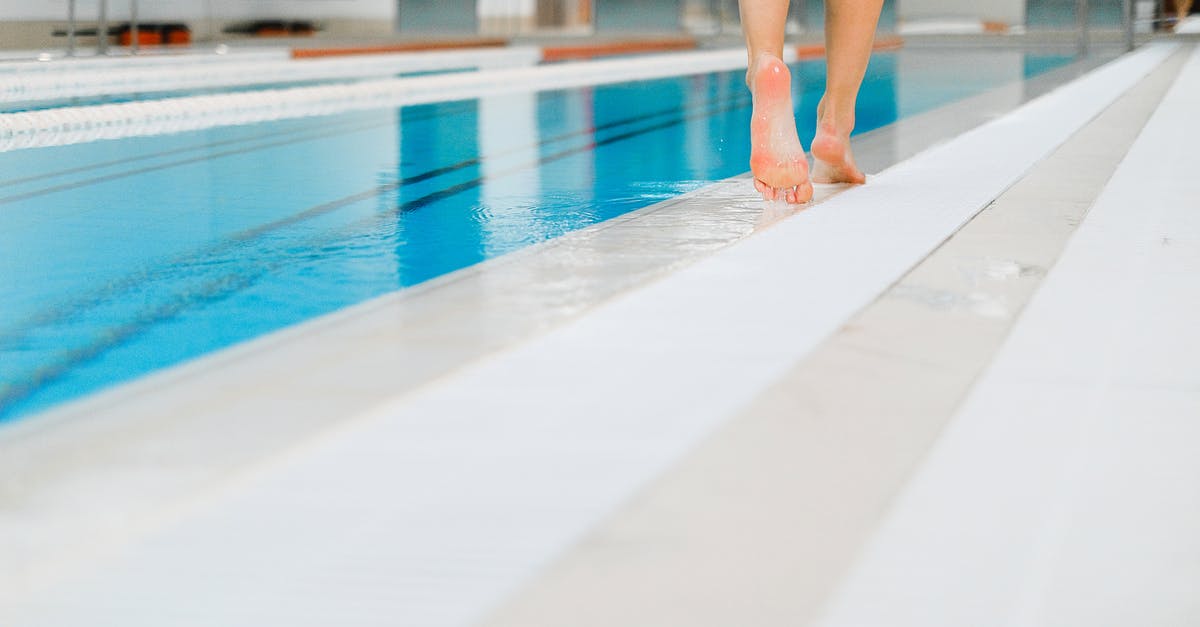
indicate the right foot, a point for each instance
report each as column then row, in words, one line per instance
column 832, row 160
column 776, row 157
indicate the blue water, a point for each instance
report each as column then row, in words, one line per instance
column 118, row 258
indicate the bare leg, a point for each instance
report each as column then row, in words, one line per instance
column 849, row 34
column 1182, row 8
column 776, row 157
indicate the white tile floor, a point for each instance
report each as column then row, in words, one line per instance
column 1068, row 482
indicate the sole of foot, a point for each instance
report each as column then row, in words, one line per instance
column 776, row 156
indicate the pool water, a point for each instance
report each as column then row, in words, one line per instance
column 118, row 258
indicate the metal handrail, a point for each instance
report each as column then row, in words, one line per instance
column 70, row 28
column 133, row 27
column 102, row 29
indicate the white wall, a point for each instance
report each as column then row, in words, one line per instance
column 1011, row 12
column 184, row 10
column 489, row 8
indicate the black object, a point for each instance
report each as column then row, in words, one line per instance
column 272, row 27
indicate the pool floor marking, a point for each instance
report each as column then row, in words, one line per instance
column 1064, row 491
column 509, row 461
column 346, row 126
column 110, row 289
column 72, row 125
column 226, row 284
column 285, row 141
column 296, row 138
column 766, row 515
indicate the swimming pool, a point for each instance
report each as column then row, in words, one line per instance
column 118, row 258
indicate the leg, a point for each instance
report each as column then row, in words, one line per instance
column 776, row 157
column 1182, row 8
column 849, row 34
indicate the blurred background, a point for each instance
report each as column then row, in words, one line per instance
column 45, row 24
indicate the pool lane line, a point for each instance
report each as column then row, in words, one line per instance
column 5, row 200
column 41, row 129
column 319, row 135
column 152, row 95
column 11, row 394
column 118, row 84
column 347, row 126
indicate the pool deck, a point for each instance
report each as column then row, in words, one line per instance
column 965, row 393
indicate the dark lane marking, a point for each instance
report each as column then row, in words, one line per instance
column 167, row 267
column 347, row 127
column 153, row 155
column 4, row 200
column 165, row 166
column 225, row 286
column 460, row 106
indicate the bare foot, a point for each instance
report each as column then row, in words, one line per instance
column 832, row 160
column 776, row 157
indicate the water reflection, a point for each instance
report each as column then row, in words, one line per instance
column 138, row 267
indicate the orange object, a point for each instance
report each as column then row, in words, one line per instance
column 411, row 46
column 607, row 48
column 145, row 38
column 814, row 51
column 179, row 37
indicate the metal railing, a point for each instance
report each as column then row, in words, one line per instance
column 101, row 27
column 70, row 28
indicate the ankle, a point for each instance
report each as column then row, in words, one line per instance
column 756, row 61
column 835, row 119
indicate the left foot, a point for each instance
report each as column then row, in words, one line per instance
column 776, row 158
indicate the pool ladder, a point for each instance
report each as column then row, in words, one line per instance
column 102, row 27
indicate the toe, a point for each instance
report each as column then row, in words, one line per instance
column 804, row 192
